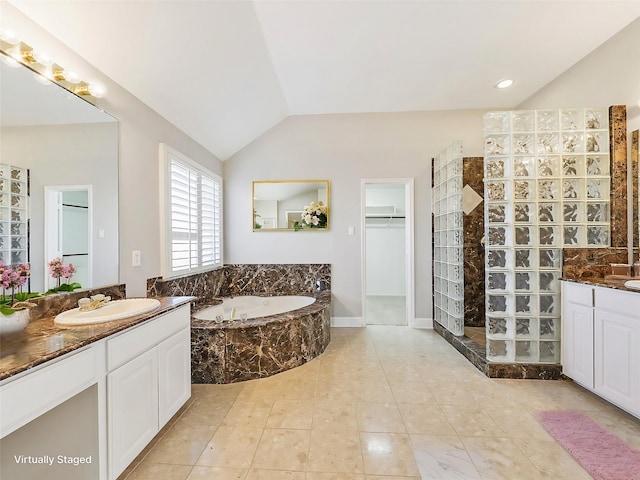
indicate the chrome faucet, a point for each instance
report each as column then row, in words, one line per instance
column 321, row 285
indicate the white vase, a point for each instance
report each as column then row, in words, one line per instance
column 15, row 322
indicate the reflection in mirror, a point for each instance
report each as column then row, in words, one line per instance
column 290, row 205
column 635, row 168
column 68, row 150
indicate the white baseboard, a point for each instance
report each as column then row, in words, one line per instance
column 422, row 323
column 347, row 322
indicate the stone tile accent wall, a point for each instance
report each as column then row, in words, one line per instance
column 473, row 228
column 619, row 196
column 587, row 263
column 243, row 279
column 52, row 305
column 205, row 286
column 275, row 279
column 635, row 178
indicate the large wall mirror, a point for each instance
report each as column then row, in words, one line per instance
column 69, row 150
column 290, row 205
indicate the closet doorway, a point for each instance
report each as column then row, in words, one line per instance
column 387, row 252
column 67, row 226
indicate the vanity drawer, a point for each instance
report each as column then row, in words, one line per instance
column 618, row 301
column 578, row 293
column 31, row 395
column 134, row 342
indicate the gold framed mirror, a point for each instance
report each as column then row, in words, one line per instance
column 290, row 205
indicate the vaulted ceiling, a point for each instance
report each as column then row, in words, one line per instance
column 225, row 72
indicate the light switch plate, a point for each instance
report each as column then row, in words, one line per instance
column 136, row 258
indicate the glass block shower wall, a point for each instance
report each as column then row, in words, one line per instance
column 448, row 268
column 547, row 186
column 14, row 209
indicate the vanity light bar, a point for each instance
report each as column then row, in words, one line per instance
column 25, row 55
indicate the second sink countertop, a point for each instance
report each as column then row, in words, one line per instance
column 616, row 283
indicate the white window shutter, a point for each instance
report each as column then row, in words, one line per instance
column 193, row 216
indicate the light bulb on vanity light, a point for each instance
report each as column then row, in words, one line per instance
column 40, row 78
column 10, row 61
column 42, row 58
column 9, row 36
column 97, row 90
column 61, row 75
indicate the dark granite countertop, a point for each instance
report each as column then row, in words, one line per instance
column 617, row 283
column 323, row 300
column 42, row 340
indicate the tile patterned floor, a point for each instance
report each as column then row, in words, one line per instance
column 382, row 403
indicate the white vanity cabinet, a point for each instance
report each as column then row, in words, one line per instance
column 601, row 342
column 617, row 348
column 577, row 333
column 148, row 380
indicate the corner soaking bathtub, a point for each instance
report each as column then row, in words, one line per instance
column 279, row 333
column 233, row 308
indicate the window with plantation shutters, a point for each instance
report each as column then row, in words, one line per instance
column 193, row 215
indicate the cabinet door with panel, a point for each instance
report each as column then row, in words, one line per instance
column 133, row 409
column 577, row 343
column 174, row 374
column 617, row 358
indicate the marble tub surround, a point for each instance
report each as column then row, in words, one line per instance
column 43, row 340
column 237, row 351
column 618, row 158
column 243, row 279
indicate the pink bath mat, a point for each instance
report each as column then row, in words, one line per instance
column 603, row 455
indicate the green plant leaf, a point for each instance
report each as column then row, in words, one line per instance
column 65, row 287
column 24, row 296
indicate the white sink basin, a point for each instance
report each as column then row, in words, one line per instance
column 632, row 284
column 114, row 310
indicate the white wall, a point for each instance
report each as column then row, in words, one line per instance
column 141, row 129
column 343, row 149
column 610, row 75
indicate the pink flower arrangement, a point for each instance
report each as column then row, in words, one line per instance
column 13, row 278
column 58, row 270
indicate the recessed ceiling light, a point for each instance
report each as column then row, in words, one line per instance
column 507, row 82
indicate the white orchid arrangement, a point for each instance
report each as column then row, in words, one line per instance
column 314, row 215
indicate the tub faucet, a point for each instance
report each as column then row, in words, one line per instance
column 321, row 285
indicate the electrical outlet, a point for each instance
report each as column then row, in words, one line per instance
column 136, row 258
